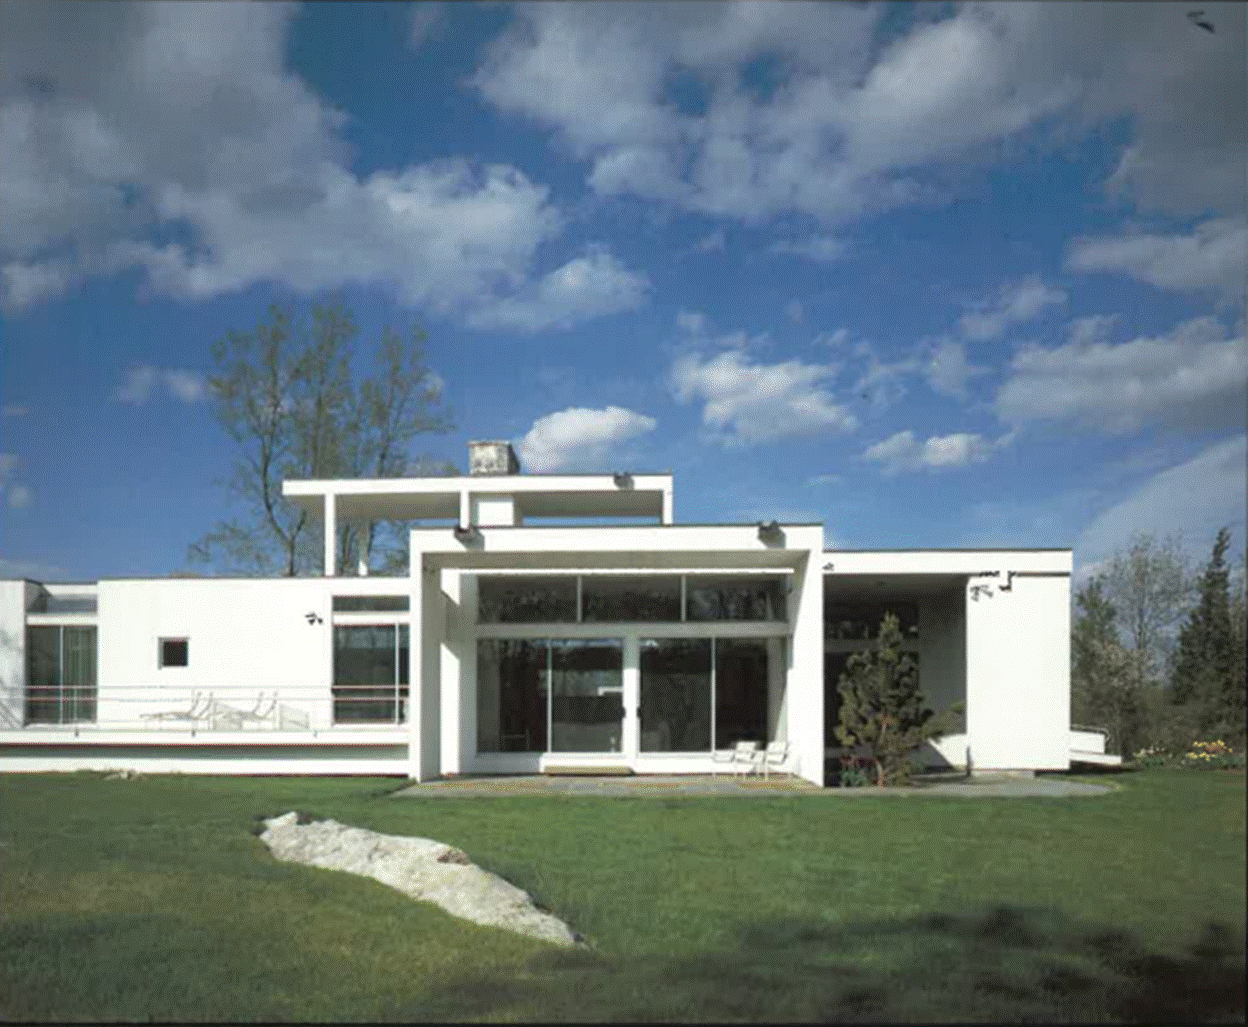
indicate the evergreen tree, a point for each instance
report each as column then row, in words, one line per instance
column 1205, row 679
column 1106, row 679
column 883, row 708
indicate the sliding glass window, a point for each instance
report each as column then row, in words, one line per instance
column 741, row 687
column 60, row 674
column 512, row 701
column 734, row 597
column 623, row 598
column 370, row 673
column 550, row 695
column 676, row 694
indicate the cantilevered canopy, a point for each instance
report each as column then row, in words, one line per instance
column 598, row 495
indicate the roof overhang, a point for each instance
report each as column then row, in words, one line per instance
column 598, row 495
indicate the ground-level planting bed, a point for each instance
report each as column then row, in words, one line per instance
column 151, row 899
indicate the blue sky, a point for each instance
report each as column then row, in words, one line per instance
column 938, row 275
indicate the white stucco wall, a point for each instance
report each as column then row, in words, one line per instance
column 13, row 600
column 1018, row 673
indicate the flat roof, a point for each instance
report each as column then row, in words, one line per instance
column 545, row 495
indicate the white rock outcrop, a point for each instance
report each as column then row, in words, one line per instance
column 418, row 867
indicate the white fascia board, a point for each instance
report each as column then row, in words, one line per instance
column 936, row 561
column 482, row 483
column 644, row 545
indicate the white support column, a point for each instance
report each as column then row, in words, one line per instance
column 804, row 689
column 667, row 505
column 331, row 534
column 465, row 508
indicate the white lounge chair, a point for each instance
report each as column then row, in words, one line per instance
column 738, row 757
column 200, row 709
column 262, row 713
column 775, row 755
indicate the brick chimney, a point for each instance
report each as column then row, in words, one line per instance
column 492, row 458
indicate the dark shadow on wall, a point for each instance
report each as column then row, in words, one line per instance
column 1002, row 964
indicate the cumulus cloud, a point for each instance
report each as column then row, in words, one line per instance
column 143, row 381
column 590, row 286
column 855, row 108
column 16, row 494
column 1195, row 376
column 947, row 370
column 580, row 438
column 1016, row 303
column 1199, row 495
column 747, row 403
column 1212, row 258
column 823, row 249
column 119, row 120
column 692, row 322
column 712, row 243
column 904, row 451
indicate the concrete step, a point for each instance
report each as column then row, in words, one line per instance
column 1087, row 756
column 596, row 771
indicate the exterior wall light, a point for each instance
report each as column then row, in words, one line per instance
column 313, row 617
column 769, row 532
column 467, row 535
column 623, row 480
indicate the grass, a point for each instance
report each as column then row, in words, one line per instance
column 150, row 899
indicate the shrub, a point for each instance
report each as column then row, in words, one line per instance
column 854, row 773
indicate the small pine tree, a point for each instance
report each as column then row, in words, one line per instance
column 883, row 708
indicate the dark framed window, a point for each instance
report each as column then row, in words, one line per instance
column 630, row 597
column 372, row 604
column 711, row 597
column 174, row 652
column 860, row 621
column 60, row 674
column 370, row 673
column 526, row 599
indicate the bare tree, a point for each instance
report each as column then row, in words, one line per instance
column 287, row 395
column 1150, row 586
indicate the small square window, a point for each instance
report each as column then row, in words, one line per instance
column 174, row 652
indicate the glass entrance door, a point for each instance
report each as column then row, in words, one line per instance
column 586, row 695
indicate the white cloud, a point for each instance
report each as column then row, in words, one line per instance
column 1014, row 304
column 586, row 287
column 748, row 403
column 117, row 119
column 143, row 381
column 1195, row 376
column 579, row 438
column 947, row 370
column 1196, row 497
column 712, row 243
column 24, row 284
column 426, row 20
column 692, row 322
column 16, row 493
column 1213, row 257
column 846, row 119
column 795, row 312
column 823, row 249
column 905, row 452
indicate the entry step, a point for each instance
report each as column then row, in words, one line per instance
column 594, row 771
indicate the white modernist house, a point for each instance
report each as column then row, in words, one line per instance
column 548, row 622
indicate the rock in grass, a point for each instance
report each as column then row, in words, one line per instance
column 419, row 868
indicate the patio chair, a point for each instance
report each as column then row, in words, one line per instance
column 739, row 756
column 775, row 755
column 258, row 714
column 200, row 709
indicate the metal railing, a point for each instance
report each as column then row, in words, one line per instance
column 217, row 708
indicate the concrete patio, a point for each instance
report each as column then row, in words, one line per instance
column 703, row 785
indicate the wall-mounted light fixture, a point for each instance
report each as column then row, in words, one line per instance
column 313, row 617
column 769, row 533
column 469, row 535
column 623, row 479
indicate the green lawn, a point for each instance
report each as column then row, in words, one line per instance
column 152, row 899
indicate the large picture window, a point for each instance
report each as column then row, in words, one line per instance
column 734, row 597
column 676, row 694
column 60, row 674
column 550, row 695
column 527, row 599
column 370, row 673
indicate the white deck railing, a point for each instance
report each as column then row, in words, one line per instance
column 218, row 708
